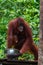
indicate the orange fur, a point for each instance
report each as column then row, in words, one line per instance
column 25, row 45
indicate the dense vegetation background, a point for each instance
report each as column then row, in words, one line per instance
column 10, row 9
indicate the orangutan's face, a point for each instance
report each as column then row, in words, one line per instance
column 20, row 26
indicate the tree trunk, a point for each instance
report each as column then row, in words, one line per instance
column 40, row 61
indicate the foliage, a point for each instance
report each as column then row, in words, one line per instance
column 26, row 56
column 10, row 9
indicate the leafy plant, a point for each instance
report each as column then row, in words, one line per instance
column 26, row 56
